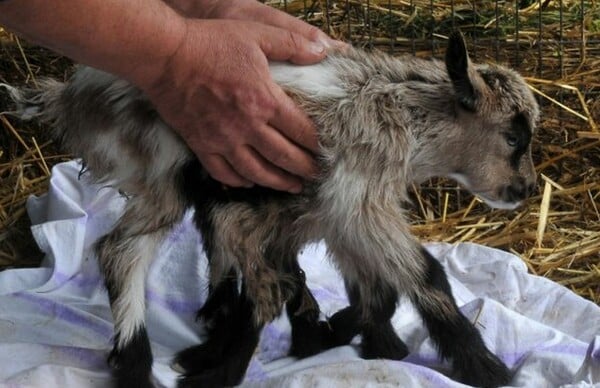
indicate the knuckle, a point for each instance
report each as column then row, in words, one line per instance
column 266, row 44
column 260, row 105
column 294, row 40
column 280, row 158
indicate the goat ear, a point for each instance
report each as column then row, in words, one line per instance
column 457, row 64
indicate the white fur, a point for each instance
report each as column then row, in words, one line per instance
column 318, row 80
column 129, row 308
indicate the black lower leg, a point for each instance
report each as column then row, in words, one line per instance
column 241, row 339
column 309, row 335
column 379, row 339
column 346, row 323
column 220, row 314
column 132, row 362
column 222, row 298
column 456, row 338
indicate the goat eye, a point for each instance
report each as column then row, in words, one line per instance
column 512, row 140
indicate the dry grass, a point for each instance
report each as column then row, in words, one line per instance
column 557, row 234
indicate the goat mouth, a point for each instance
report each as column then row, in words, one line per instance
column 493, row 203
column 499, row 204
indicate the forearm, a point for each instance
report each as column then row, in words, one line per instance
column 251, row 10
column 132, row 38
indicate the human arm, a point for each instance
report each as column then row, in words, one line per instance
column 208, row 79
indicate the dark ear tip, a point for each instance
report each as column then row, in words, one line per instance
column 456, row 38
column 457, row 56
column 455, row 34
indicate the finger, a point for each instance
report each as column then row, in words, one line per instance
column 251, row 166
column 276, row 18
column 293, row 122
column 220, row 170
column 281, row 152
column 283, row 45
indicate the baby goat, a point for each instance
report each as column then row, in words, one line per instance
column 384, row 123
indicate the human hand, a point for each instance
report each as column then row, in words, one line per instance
column 217, row 93
column 253, row 10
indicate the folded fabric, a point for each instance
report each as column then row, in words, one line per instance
column 56, row 325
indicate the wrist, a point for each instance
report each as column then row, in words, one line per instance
column 157, row 51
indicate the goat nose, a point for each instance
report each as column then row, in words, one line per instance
column 518, row 190
column 530, row 189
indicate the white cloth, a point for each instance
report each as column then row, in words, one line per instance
column 56, row 325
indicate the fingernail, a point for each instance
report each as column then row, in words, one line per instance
column 325, row 41
column 317, row 47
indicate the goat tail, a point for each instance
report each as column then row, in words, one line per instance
column 35, row 103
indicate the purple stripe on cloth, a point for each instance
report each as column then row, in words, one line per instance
column 78, row 280
column 568, row 349
column 175, row 305
column 68, row 314
column 91, row 357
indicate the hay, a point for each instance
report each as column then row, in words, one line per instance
column 26, row 156
column 556, row 45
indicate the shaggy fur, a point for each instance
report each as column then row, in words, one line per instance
column 384, row 124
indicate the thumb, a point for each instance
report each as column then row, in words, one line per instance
column 284, row 45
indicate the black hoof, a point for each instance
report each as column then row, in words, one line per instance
column 311, row 339
column 202, row 367
column 132, row 364
column 200, row 358
column 485, row 371
column 381, row 341
column 344, row 326
column 223, row 359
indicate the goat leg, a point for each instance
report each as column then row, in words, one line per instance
column 379, row 339
column 219, row 313
column 239, row 343
column 309, row 335
column 456, row 338
column 124, row 255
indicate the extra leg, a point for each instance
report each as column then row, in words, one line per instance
column 309, row 335
column 235, row 351
column 379, row 339
column 219, row 313
column 373, row 301
column 456, row 338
